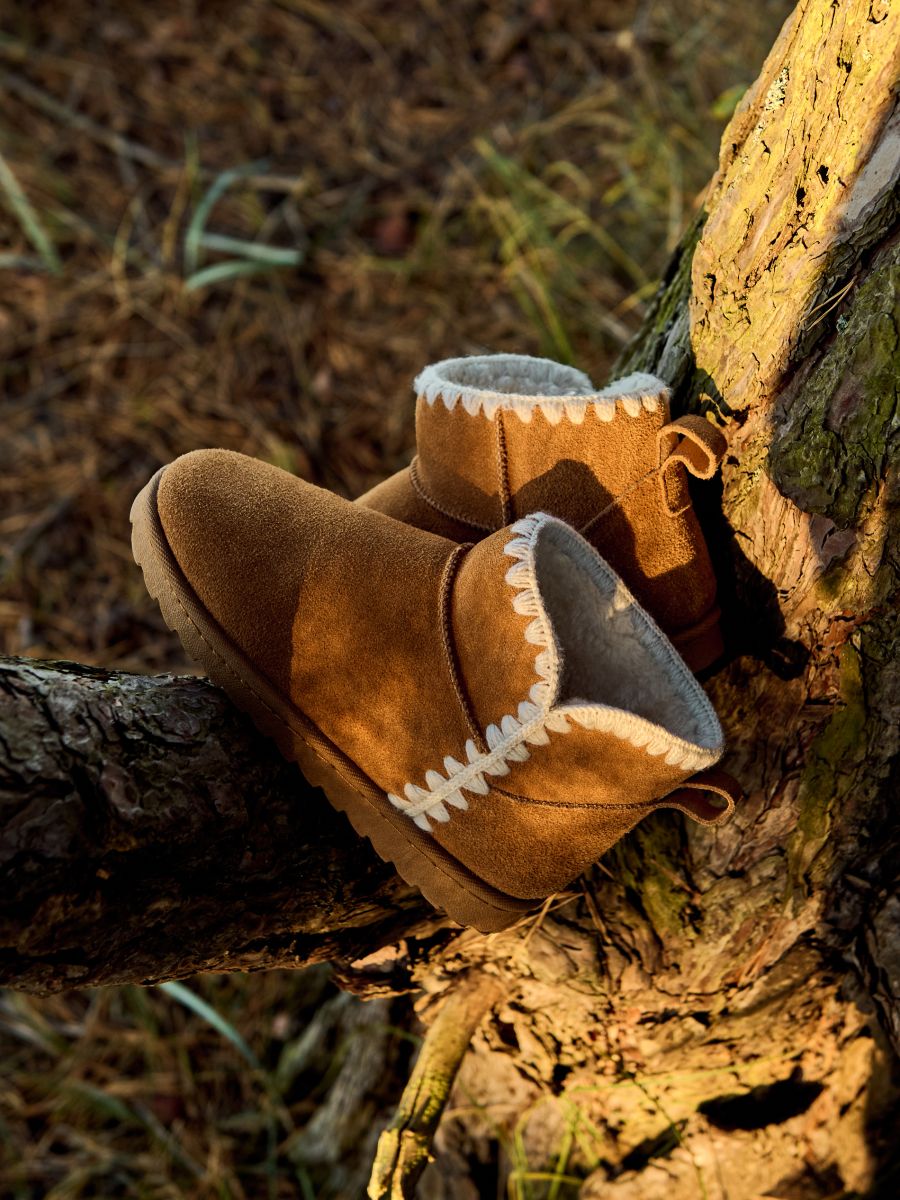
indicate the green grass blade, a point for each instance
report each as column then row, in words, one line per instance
column 21, row 1018
column 210, row 198
column 199, row 1006
column 225, row 270
column 100, row 1103
column 275, row 256
column 307, row 1191
column 28, row 218
column 21, row 262
column 722, row 108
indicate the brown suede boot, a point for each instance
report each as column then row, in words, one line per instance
column 502, row 435
column 492, row 717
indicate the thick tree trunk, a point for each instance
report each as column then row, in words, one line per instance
column 715, row 1007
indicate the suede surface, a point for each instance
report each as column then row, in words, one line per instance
column 590, row 767
column 582, row 468
column 397, row 497
column 621, row 482
column 530, row 850
column 496, row 662
column 399, row 645
column 338, row 606
column 457, row 464
column 663, row 560
column 552, row 816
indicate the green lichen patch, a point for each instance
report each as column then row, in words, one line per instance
column 646, row 350
column 844, row 426
column 650, row 864
column 830, row 773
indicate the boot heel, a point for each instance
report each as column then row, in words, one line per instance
column 701, row 645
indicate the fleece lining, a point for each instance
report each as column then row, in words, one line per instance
column 521, row 384
column 612, row 653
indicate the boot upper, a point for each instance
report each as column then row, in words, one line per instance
column 510, row 689
column 335, row 605
column 500, row 436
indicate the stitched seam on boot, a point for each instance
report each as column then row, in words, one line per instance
column 506, row 512
column 451, row 658
column 454, row 515
column 637, row 805
column 618, row 500
column 644, row 806
column 419, row 488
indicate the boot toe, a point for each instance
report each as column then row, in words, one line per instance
column 231, row 523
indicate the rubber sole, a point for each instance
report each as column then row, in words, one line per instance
column 445, row 882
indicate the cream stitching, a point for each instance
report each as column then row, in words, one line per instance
column 560, row 392
column 537, row 717
column 506, row 741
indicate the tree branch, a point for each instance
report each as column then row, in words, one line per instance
column 404, row 1148
column 148, row 832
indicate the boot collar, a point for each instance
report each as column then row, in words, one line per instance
column 600, row 663
column 468, row 410
column 520, row 384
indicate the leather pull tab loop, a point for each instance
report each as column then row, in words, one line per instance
column 693, row 441
column 689, row 796
column 687, row 443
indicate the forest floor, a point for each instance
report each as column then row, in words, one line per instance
column 250, row 225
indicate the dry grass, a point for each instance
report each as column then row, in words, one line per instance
column 127, row 1092
column 249, row 225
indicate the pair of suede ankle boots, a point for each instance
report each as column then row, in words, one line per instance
column 486, row 661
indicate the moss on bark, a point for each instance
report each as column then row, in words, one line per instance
column 842, row 429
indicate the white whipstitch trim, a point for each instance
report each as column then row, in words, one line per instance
column 539, row 715
column 641, row 733
column 506, row 741
column 520, row 384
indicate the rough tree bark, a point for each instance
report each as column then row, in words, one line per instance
column 717, row 1008
column 148, row 832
